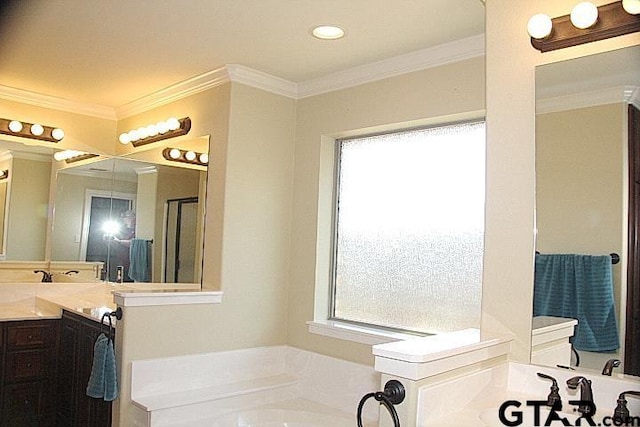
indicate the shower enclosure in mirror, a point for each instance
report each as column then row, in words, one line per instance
column 582, row 200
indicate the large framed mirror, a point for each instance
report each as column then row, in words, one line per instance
column 582, row 186
column 95, row 209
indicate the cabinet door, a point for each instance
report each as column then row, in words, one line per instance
column 68, row 374
column 76, row 361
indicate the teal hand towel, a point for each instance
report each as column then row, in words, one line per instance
column 139, row 260
column 579, row 287
column 103, row 380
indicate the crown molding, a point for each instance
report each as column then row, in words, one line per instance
column 261, row 80
column 52, row 102
column 443, row 54
column 426, row 58
column 174, row 92
column 612, row 95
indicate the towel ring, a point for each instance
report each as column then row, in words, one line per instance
column 111, row 332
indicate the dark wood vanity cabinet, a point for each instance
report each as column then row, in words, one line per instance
column 75, row 408
column 29, row 372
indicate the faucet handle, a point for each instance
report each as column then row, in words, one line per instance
column 553, row 399
column 621, row 413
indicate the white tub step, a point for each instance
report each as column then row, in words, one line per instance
column 208, row 394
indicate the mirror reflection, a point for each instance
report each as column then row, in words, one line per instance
column 25, row 197
column 140, row 217
column 144, row 221
column 582, row 200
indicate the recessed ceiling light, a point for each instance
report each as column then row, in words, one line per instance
column 328, row 32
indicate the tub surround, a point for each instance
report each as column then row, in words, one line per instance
column 200, row 389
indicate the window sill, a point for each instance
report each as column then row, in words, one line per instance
column 355, row 333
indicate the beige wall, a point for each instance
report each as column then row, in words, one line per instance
column 82, row 132
column 581, row 189
column 28, row 209
column 248, row 213
column 447, row 93
column 507, row 296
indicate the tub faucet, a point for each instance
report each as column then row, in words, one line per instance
column 586, row 405
column 608, row 367
column 621, row 413
column 46, row 276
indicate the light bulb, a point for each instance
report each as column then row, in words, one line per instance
column 142, row 132
column 124, row 138
column 631, row 6
column 190, row 155
column 152, row 130
column 37, row 129
column 163, row 127
column 57, row 134
column 174, row 153
column 15, row 126
column 539, row 26
column 59, row 156
column 134, row 135
column 173, row 123
column 584, row 15
column 204, row 158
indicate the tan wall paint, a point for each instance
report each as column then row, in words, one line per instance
column 85, row 133
column 507, row 294
column 427, row 96
column 248, row 213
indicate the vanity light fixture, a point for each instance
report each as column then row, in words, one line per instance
column 169, row 128
column 71, row 156
column 30, row 130
column 186, row 156
column 4, row 174
column 586, row 23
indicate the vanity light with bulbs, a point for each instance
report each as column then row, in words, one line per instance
column 586, row 23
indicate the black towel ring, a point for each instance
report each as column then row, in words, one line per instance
column 111, row 331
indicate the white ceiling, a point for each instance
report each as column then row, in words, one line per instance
column 110, row 53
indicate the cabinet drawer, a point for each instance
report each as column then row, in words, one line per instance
column 28, row 334
column 23, row 401
column 26, row 365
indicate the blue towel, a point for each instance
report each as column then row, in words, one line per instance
column 579, row 287
column 140, row 260
column 103, row 382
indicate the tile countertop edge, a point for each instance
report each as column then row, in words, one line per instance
column 144, row 299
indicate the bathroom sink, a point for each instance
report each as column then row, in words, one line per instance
column 491, row 419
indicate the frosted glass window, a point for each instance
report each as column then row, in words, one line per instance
column 409, row 229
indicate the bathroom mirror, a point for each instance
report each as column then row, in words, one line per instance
column 24, row 198
column 104, row 206
column 37, row 185
column 582, row 166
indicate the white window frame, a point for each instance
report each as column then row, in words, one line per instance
column 322, row 323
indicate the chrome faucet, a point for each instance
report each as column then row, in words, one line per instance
column 46, row 276
column 586, row 406
column 608, row 367
column 621, row 413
